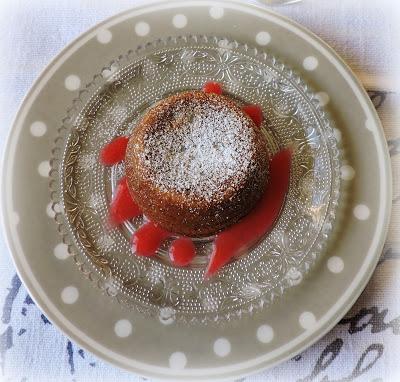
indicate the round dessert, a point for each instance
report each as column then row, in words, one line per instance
column 196, row 163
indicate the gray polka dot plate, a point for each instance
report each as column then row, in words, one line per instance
column 143, row 314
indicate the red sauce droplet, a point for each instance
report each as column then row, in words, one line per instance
column 259, row 221
column 148, row 238
column 182, row 251
column 255, row 113
column 123, row 206
column 114, row 152
column 212, row 87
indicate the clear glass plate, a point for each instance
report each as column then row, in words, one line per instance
column 111, row 105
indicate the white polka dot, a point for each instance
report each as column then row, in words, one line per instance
column 310, row 63
column 38, row 129
column 61, row 251
column 323, row 98
column 142, row 28
column 370, row 124
column 69, row 295
column 51, row 211
column 57, row 207
column 167, row 315
column 106, row 73
column 44, row 168
column 263, row 38
column 179, row 21
column 72, row 82
column 361, row 212
column 338, row 134
column 347, row 172
column 335, row 264
column 265, row 334
column 216, row 12
column 177, row 360
column 307, row 320
column 104, row 36
column 14, row 218
column 222, row 347
column 123, row 328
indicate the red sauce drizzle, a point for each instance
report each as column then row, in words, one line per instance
column 114, row 152
column 182, row 251
column 148, row 238
column 227, row 244
column 255, row 113
column 212, row 87
column 123, row 207
column 259, row 221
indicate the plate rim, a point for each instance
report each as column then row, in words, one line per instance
column 312, row 337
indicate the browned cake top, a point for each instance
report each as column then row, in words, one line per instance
column 197, row 144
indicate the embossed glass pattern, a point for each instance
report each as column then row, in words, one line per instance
column 111, row 105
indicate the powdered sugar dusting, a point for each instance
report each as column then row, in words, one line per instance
column 202, row 150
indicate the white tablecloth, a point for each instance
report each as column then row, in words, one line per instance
column 365, row 346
